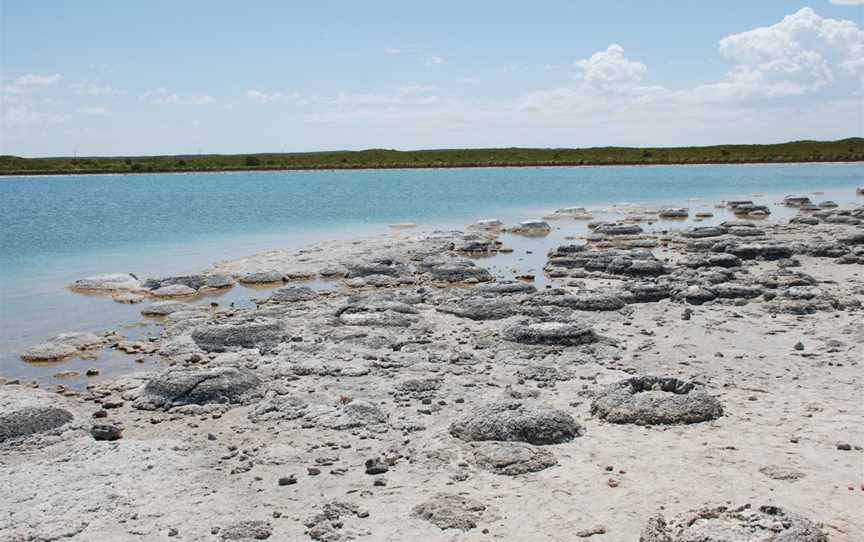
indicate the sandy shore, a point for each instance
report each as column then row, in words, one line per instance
column 413, row 394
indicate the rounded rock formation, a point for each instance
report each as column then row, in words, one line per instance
column 512, row 421
column 254, row 332
column 745, row 524
column 653, row 400
column 550, row 333
column 217, row 385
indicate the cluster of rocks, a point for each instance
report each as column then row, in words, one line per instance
column 421, row 338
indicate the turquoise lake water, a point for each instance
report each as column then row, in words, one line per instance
column 54, row 230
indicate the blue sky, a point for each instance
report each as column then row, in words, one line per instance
column 158, row 77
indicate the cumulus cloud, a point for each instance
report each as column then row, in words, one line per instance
column 610, row 70
column 801, row 54
column 162, row 96
column 798, row 78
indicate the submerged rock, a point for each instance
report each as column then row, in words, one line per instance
column 532, row 228
column 745, row 524
column 514, row 421
column 107, row 282
column 62, row 346
column 174, row 290
column 652, row 400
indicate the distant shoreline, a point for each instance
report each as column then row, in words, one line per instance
column 850, row 150
column 179, row 171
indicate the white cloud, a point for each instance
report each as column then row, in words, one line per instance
column 406, row 95
column 264, row 97
column 30, row 82
column 95, row 111
column 610, row 70
column 433, row 61
column 848, row 2
column 94, row 88
column 162, row 96
column 801, row 54
column 795, row 79
column 393, row 51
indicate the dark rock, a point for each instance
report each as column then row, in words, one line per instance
column 29, row 420
column 550, row 333
column 513, row 421
column 106, row 432
column 214, row 385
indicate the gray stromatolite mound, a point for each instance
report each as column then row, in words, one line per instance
column 26, row 411
column 550, row 333
column 291, row 294
column 29, row 420
column 479, row 308
column 655, row 400
column 745, row 524
column 447, row 511
column 216, row 385
column 62, row 346
column 512, row 458
column 247, row 530
column 253, row 332
column 516, row 422
column 107, row 283
column 507, row 287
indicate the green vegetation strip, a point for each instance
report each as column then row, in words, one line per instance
column 844, row 150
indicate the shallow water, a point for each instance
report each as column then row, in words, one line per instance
column 54, row 230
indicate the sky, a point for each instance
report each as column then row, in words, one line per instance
column 104, row 78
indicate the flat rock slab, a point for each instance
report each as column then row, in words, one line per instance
column 217, row 385
column 62, row 346
column 514, row 421
column 652, row 400
column 550, row 333
column 253, row 332
column 107, row 283
column 767, row 523
column 292, row 294
column 447, row 511
column 512, row 458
